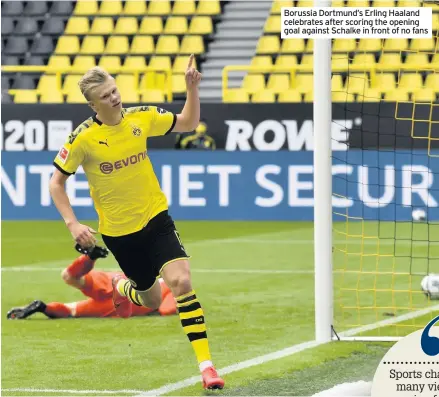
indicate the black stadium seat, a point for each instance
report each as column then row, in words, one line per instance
column 5, row 83
column 34, row 60
column 7, row 26
column 16, row 45
column 10, row 60
column 23, row 82
column 36, row 8
column 61, row 8
column 6, row 98
column 26, row 26
column 53, row 26
column 42, row 46
column 12, row 8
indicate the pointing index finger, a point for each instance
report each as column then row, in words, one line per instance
column 191, row 60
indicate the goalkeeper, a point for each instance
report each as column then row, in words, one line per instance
column 95, row 285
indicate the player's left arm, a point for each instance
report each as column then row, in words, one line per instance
column 189, row 117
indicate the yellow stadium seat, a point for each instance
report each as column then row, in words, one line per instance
column 167, row 45
column 418, row 60
column 383, row 3
column 344, row 45
column 201, row 25
column 129, row 96
column 435, row 21
column 192, row 45
column 307, row 59
column 410, row 82
column 117, row 45
column 290, row 96
column 423, row 44
column 278, row 83
column 25, row 96
column 253, row 83
column 48, row 82
column 395, row 44
column 208, row 7
column 181, row 62
column 236, row 95
column 340, row 61
column 110, row 63
column 86, row 7
column 432, row 81
column 71, row 83
column 184, row 7
column 369, row 45
column 134, row 64
column 337, row 3
column 434, row 6
column 292, row 46
column 285, row 62
column 160, row 62
column 390, row 60
column 82, row 63
column 309, row 96
column 67, row 45
column 178, row 84
column 102, row 26
column 75, row 97
column 358, row 3
column 59, row 62
column 77, row 25
column 159, row 7
column 148, row 81
column 356, row 83
column 369, row 95
column 262, row 61
column 268, row 45
column 336, row 82
column 409, row 3
column 341, row 96
column 160, row 81
column 365, row 60
column 134, row 7
column 424, row 95
column 176, row 25
column 111, row 7
column 51, row 97
column 384, row 82
column 264, row 96
column 304, row 83
column 92, row 45
column 434, row 61
column 272, row 24
column 126, row 25
column 153, row 96
column 151, row 25
column 278, row 4
column 127, row 81
column 309, row 46
column 305, row 3
column 142, row 45
column 396, row 96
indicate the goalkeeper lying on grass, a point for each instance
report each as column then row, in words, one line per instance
column 96, row 285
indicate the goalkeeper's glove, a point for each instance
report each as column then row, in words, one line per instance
column 93, row 253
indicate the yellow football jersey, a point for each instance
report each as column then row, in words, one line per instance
column 123, row 185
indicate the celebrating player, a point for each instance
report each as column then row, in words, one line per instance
column 97, row 286
column 132, row 209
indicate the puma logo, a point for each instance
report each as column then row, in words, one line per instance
column 103, row 143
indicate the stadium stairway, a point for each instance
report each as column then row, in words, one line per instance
column 234, row 43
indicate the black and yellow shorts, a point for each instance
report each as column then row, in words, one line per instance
column 141, row 255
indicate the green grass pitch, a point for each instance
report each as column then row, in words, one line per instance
column 255, row 281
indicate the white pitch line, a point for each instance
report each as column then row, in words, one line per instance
column 29, row 390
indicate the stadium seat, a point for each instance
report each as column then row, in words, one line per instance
column 201, row 25
column 176, row 25
column 369, row 95
column 410, row 82
column 264, row 96
column 77, row 25
column 26, row 26
column 284, row 61
column 356, row 83
column 59, row 62
column 409, row 3
column 134, row 63
column 6, row 97
column 12, row 8
column 192, row 45
column 340, row 61
column 307, row 59
column 167, row 45
column 126, row 25
column 67, row 45
column 71, row 83
column 235, row 95
column 278, row 4
column 47, row 83
column 278, row 83
column 159, row 7
column 366, row 60
column 291, row 96
column 26, row 96
column 435, row 21
column 129, row 96
column 117, row 45
column 422, row 44
column 34, row 60
column 127, row 82
column 148, row 81
column 434, row 63
column 86, row 7
column 134, row 7
column 110, row 63
column 336, row 82
column 15, row 45
column 10, row 60
column 424, row 95
column 75, row 96
column 153, row 96
column 344, row 45
column 432, row 81
column 341, row 96
column 272, row 24
column 384, row 82
column 304, row 83
column 51, row 97
column 42, row 46
column 262, row 61
column 7, row 26
column 309, row 97
column 418, row 60
column 309, row 47
column 390, row 60
column 102, row 26
column 292, row 46
column 208, row 7
column 151, row 25
column 113, row 7
column 178, row 84
column 395, row 44
column 396, row 96
column 53, row 26
column 142, row 45
column 253, row 83
column 61, row 8
column 369, row 45
column 268, row 45
column 181, row 62
column 92, row 45
column 183, row 7
column 35, row 8
column 383, row 3
column 82, row 63
column 23, row 82
column 434, row 6
column 304, row 3
column 160, row 62
column 358, row 3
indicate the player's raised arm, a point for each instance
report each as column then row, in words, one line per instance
column 189, row 117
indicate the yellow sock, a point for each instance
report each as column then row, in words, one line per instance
column 192, row 319
column 126, row 289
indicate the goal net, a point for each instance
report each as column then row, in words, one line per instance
column 385, row 184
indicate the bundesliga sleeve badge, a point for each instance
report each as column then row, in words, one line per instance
column 63, row 154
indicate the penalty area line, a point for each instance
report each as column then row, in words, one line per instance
column 68, row 391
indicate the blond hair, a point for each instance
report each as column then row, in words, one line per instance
column 93, row 78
